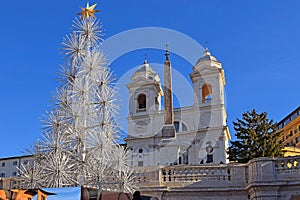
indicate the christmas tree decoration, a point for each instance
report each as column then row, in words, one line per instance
column 79, row 145
column 89, row 11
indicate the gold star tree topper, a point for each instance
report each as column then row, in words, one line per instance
column 88, row 12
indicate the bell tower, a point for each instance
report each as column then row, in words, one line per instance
column 208, row 80
column 145, row 93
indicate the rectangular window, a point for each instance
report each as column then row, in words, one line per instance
column 294, row 116
column 25, row 162
column 15, row 163
column 297, row 140
column 291, row 133
column 176, row 125
column 179, row 160
column 156, row 100
column 14, row 174
column 210, row 158
column 2, row 175
column 3, row 164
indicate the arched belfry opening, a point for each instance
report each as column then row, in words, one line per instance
column 141, row 100
column 206, row 93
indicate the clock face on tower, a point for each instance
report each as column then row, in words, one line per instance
column 141, row 127
column 205, row 119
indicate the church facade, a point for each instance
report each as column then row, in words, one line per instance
column 196, row 134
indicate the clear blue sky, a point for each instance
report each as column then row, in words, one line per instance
column 258, row 43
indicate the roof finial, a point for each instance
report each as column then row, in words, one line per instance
column 167, row 52
column 206, row 46
column 145, row 58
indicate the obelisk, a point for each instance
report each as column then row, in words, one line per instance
column 168, row 128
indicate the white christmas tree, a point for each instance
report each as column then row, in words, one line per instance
column 79, row 144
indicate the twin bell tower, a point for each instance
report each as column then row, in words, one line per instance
column 196, row 134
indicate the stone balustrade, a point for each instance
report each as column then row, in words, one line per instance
column 259, row 172
column 147, row 176
column 180, row 175
column 262, row 178
column 195, row 173
column 287, row 165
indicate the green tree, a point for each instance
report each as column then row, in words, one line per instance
column 256, row 136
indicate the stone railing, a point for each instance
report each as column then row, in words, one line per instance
column 195, row 173
column 227, row 175
column 180, row 175
column 287, row 165
column 147, row 176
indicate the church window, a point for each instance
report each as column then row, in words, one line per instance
column 184, row 128
column 209, row 150
column 186, row 159
column 176, row 125
column 206, row 93
column 156, row 100
column 209, row 158
column 140, row 157
column 180, row 127
column 141, row 100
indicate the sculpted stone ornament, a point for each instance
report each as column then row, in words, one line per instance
column 209, row 148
